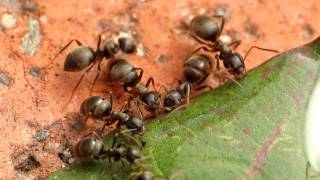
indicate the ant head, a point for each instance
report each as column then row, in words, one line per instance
column 135, row 123
column 127, row 45
column 110, row 48
column 205, row 27
column 235, row 62
column 152, row 99
column 184, row 88
column 172, row 99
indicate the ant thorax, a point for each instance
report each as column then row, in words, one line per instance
column 140, row 89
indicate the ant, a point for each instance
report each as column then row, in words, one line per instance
column 85, row 57
column 122, row 72
column 206, row 30
column 92, row 148
column 175, row 97
column 125, row 117
column 100, row 108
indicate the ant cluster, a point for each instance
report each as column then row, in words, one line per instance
column 197, row 67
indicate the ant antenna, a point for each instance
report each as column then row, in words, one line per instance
column 256, row 47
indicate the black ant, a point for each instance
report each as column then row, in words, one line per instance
column 206, row 30
column 96, row 107
column 100, row 108
column 85, row 57
column 174, row 98
column 92, row 147
column 122, row 72
column 125, row 117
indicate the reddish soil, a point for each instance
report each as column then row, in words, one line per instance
column 30, row 103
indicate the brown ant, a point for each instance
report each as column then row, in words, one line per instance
column 85, row 57
column 206, row 30
column 122, row 72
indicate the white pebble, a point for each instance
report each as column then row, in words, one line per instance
column 8, row 21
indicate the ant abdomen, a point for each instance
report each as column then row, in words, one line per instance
column 79, row 59
column 88, row 148
column 123, row 72
column 96, row 106
column 197, row 67
column 205, row 27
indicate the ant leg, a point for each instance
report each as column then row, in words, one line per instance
column 203, row 87
column 86, row 118
column 140, row 112
column 77, row 85
column 197, row 50
column 151, row 80
column 98, row 43
column 221, row 24
column 107, row 122
column 164, row 87
column 203, row 79
column 256, row 47
column 123, row 164
column 230, row 78
column 97, row 76
column 111, row 99
column 140, row 75
column 123, row 133
column 110, row 167
column 235, row 44
column 218, row 67
column 188, row 93
column 200, row 40
column 137, row 105
column 94, row 82
column 64, row 48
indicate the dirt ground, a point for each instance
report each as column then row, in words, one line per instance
column 31, row 100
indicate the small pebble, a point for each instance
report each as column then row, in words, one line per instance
column 140, row 50
column 4, row 79
column 42, row 135
column 163, row 58
column 225, row 39
column 34, row 71
column 222, row 10
column 8, row 21
column 307, row 31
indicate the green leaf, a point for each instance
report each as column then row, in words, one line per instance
column 233, row 133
